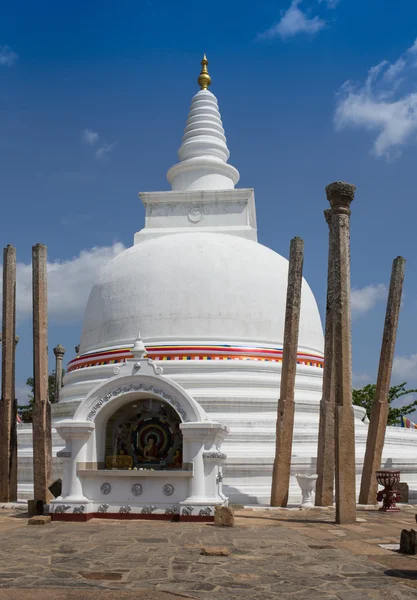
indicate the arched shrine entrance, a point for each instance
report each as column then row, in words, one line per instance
column 139, row 446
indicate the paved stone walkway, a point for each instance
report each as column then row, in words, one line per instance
column 300, row 555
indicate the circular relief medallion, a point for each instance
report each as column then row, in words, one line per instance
column 105, row 488
column 196, row 214
column 168, row 489
column 136, row 489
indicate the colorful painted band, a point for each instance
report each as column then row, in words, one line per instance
column 168, row 353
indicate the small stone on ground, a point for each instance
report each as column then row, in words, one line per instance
column 224, row 516
column 215, row 551
column 39, row 520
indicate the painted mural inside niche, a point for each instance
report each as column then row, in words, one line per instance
column 144, row 434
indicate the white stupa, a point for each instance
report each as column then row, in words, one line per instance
column 209, row 301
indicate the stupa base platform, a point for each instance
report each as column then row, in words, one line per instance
column 201, row 513
column 132, row 516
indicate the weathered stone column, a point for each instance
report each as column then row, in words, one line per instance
column 59, row 352
column 8, row 408
column 13, row 434
column 17, row 338
column 325, row 447
column 340, row 195
column 380, row 407
column 42, row 438
column 285, row 415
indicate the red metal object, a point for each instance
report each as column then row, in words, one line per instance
column 389, row 496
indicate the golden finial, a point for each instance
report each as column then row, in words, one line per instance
column 204, row 78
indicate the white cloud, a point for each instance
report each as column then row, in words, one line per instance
column 69, row 284
column 22, row 392
column 7, row 56
column 364, row 299
column 393, row 71
column 385, row 102
column 330, row 3
column 104, row 150
column 404, row 368
column 90, row 137
column 294, row 21
column 413, row 49
column 360, row 379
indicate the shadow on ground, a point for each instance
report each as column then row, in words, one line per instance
column 402, row 574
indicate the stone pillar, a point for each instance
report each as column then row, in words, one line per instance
column 340, row 195
column 196, row 489
column 325, row 447
column 42, row 437
column 76, row 435
column 196, row 438
column 380, row 407
column 193, row 447
column 285, row 415
column 8, row 407
column 13, row 436
column 59, row 352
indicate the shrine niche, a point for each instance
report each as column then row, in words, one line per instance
column 144, row 434
column 140, row 447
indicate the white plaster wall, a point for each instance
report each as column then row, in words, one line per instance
column 121, row 488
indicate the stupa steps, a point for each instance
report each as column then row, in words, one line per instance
column 208, row 379
column 25, row 436
column 25, row 470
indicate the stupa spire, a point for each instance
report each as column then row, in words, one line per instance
column 203, row 153
column 204, row 78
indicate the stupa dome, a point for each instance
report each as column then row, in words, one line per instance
column 196, row 287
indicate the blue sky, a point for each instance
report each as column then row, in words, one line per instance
column 305, row 98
